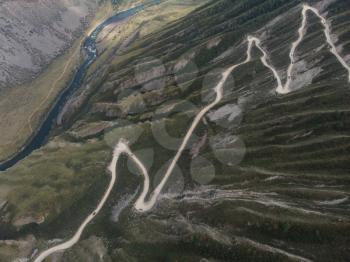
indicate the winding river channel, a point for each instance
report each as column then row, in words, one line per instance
column 90, row 54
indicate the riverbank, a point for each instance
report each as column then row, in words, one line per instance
column 23, row 108
column 90, row 53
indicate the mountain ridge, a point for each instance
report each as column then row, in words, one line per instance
column 266, row 177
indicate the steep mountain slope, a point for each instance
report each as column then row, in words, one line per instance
column 265, row 177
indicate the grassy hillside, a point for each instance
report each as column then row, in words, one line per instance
column 266, row 177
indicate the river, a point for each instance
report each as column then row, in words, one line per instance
column 89, row 49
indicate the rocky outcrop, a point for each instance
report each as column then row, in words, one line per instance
column 110, row 110
column 75, row 102
column 23, row 221
column 90, row 130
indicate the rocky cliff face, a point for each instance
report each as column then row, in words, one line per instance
column 34, row 32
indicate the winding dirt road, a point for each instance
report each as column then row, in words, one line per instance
column 122, row 147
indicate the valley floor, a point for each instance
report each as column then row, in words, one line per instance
column 22, row 108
